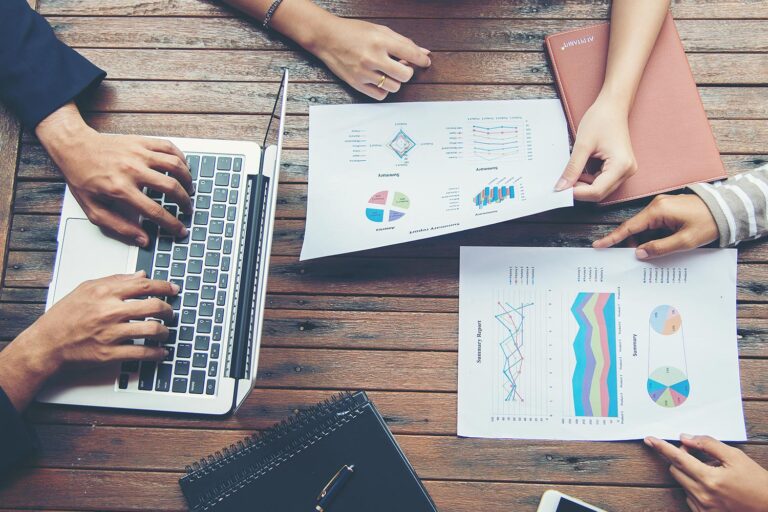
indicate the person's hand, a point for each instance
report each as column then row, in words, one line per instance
column 90, row 325
column 360, row 53
column 686, row 216
column 106, row 174
column 604, row 134
column 732, row 482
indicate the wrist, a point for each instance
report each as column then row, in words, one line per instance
column 616, row 98
column 31, row 356
column 305, row 23
column 62, row 129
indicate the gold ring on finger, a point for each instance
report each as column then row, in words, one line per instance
column 381, row 81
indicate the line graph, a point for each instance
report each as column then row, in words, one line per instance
column 508, row 139
column 512, row 320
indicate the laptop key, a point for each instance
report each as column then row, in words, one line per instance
column 219, row 316
column 237, row 165
column 146, row 254
column 188, row 316
column 172, row 334
column 174, row 301
column 206, row 309
column 160, row 275
column 224, row 163
column 204, row 325
column 215, row 351
column 227, row 246
column 174, row 321
column 220, row 195
column 217, row 333
column 212, row 259
column 223, row 280
column 170, row 350
column 164, row 375
column 222, row 179
column 210, row 275
column 213, row 368
column 179, row 283
column 184, row 350
column 164, row 243
column 186, row 333
column 231, row 213
column 200, row 360
column 225, row 263
column 163, row 260
column 192, row 283
column 218, row 211
column 207, row 167
column 196, row 382
column 208, row 292
column 229, row 232
column 196, row 250
column 204, row 186
column 171, row 209
column 181, row 368
column 210, row 387
column 203, row 201
column 193, row 162
column 179, row 385
column 202, row 342
column 235, row 183
column 178, row 269
column 195, row 266
column 147, row 376
column 221, row 299
column 233, row 197
column 122, row 382
column 180, row 253
column 190, row 300
column 199, row 234
column 201, row 218
column 214, row 243
column 216, row 227
column 186, row 219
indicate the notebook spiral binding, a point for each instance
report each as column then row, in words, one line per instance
column 315, row 413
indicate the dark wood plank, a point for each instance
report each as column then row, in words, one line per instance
column 436, row 34
column 9, row 146
column 129, row 490
column 730, row 9
column 447, row 67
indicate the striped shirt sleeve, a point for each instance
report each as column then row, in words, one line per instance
column 738, row 204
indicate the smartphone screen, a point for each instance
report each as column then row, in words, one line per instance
column 566, row 505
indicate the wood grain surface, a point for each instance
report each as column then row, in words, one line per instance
column 384, row 320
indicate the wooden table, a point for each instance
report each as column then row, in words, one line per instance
column 384, row 320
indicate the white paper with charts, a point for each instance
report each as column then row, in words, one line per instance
column 391, row 173
column 585, row 344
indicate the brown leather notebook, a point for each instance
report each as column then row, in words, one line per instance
column 671, row 137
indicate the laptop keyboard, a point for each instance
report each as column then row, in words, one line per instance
column 202, row 265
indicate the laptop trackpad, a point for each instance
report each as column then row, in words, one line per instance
column 88, row 254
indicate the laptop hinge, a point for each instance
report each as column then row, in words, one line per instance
column 246, row 283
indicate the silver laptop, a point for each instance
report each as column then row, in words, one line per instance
column 221, row 268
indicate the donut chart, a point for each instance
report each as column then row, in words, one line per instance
column 387, row 206
column 666, row 320
column 668, row 386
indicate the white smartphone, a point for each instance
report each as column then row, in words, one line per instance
column 554, row 501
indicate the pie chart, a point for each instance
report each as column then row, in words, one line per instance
column 387, row 206
column 668, row 386
column 666, row 320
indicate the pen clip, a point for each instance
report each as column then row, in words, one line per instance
column 330, row 483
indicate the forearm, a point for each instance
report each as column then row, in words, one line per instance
column 635, row 26
column 739, row 205
column 300, row 20
column 24, row 368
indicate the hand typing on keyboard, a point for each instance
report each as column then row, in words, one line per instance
column 107, row 175
column 90, row 325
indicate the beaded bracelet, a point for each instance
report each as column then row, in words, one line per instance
column 270, row 12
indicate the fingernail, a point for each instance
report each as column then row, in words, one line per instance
column 562, row 184
column 167, row 352
column 687, row 437
column 648, row 441
column 424, row 50
column 184, row 232
column 139, row 273
column 641, row 254
column 141, row 240
column 176, row 288
column 429, row 62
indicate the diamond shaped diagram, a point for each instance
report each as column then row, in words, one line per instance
column 401, row 144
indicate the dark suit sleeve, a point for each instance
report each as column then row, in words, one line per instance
column 38, row 73
column 17, row 440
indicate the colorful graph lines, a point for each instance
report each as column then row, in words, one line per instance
column 512, row 320
column 595, row 377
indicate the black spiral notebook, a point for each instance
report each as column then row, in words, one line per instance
column 284, row 468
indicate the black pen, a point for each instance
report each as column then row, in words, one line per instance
column 332, row 488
